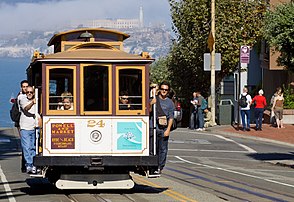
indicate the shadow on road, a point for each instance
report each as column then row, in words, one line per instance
column 272, row 156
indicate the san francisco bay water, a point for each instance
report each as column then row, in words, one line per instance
column 12, row 71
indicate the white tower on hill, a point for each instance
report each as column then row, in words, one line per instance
column 141, row 18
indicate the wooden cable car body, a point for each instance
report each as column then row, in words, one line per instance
column 98, row 141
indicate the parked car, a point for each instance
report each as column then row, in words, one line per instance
column 178, row 113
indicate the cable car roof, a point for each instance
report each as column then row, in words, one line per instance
column 100, row 33
column 95, row 54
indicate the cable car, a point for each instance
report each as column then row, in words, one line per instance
column 94, row 101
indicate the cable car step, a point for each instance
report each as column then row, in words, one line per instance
column 91, row 181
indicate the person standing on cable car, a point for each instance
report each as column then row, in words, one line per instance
column 27, row 125
column 164, row 121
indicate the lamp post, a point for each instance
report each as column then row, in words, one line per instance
column 212, row 78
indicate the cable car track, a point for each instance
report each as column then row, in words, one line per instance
column 101, row 197
column 227, row 188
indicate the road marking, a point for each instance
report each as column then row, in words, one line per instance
column 235, row 172
column 205, row 150
column 6, row 186
column 241, row 145
column 190, row 141
column 168, row 192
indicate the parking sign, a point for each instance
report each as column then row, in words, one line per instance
column 245, row 54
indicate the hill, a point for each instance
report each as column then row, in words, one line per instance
column 155, row 40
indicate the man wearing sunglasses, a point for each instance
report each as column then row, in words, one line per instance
column 124, row 103
column 27, row 128
column 163, row 130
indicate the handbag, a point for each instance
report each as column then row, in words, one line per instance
column 161, row 117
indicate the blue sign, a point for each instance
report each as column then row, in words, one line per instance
column 130, row 135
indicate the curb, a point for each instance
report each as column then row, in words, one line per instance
column 284, row 163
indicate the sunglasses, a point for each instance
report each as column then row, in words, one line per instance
column 163, row 89
column 124, row 98
column 29, row 92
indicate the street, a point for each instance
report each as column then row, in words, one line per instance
column 202, row 166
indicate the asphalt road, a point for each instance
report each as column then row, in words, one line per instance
column 201, row 167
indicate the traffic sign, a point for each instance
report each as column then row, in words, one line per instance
column 245, row 54
column 207, row 58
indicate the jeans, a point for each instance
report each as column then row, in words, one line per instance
column 258, row 113
column 247, row 114
column 200, row 118
column 194, row 120
column 162, row 147
column 28, row 139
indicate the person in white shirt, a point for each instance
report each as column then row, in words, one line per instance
column 28, row 124
column 21, row 95
column 245, row 110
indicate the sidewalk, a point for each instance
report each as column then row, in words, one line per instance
column 271, row 134
column 283, row 135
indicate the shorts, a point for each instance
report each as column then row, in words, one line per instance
column 278, row 113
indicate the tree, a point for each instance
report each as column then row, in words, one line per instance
column 238, row 22
column 159, row 71
column 279, row 33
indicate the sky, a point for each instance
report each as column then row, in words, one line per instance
column 52, row 15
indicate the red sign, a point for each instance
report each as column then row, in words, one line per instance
column 245, row 54
column 62, row 135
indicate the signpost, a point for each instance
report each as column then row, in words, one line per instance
column 244, row 61
column 244, row 54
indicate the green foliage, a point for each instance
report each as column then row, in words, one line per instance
column 279, row 32
column 288, row 97
column 238, row 22
column 159, row 71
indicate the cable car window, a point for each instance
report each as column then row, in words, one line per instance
column 61, row 89
column 96, row 88
column 130, row 89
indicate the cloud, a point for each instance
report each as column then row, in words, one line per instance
column 53, row 15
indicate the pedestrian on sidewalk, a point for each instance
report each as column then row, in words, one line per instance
column 260, row 102
column 200, row 111
column 277, row 107
column 244, row 103
column 194, row 115
column 272, row 115
column 208, row 118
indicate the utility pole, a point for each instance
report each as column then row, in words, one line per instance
column 213, row 61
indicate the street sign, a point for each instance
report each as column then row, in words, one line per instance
column 207, row 64
column 244, row 54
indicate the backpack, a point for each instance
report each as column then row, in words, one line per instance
column 243, row 101
column 14, row 112
column 204, row 104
